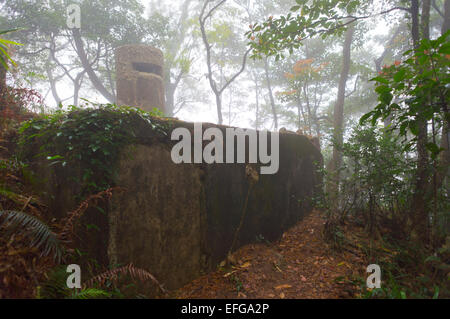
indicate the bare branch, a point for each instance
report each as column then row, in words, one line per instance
column 435, row 7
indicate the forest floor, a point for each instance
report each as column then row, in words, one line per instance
column 300, row 265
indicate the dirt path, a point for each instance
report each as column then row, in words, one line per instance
column 299, row 266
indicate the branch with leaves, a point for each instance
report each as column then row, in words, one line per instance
column 4, row 55
column 307, row 20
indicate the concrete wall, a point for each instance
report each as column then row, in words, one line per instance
column 178, row 221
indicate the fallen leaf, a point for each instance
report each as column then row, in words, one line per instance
column 277, row 268
column 283, row 287
column 229, row 274
column 241, row 294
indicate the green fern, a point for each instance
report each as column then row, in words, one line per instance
column 4, row 56
column 55, row 287
column 90, row 293
column 39, row 234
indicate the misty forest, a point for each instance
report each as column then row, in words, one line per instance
column 92, row 93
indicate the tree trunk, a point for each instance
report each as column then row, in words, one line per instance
column 96, row 82
column 446, row 25
column 257, row 102
column 53, row 89
column 170, row 99
column 420, row 225
column 444, row 157
column 333, row 187
column 219, row 107
column 174, row 48
column 2, row 78
column 300, row 115
column 272, row 100
column 77, row 86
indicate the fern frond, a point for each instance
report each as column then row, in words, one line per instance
column 55, row 287
column 38, row 233
column 90, row 293
column 134, row 272
column 73, row 217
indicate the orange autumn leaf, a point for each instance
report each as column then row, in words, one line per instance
column 283, row 287
column 246, row 265
column 289, row 76
column 286, row 93
column 302, row 65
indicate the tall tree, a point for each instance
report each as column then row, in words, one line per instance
column 174, row 24
column 444, row 158
column 420, row 220
column 338, row 132
column 271, row 96
column 206, row 15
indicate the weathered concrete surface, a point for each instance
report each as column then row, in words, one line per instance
column 158, row 223
column 178, row 221
column 139, row 77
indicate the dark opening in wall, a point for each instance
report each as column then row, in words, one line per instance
column 148, row 68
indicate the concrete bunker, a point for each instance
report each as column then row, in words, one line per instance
column 139, row 77
column 178, row 220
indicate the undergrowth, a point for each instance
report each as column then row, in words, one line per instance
column 33, row 245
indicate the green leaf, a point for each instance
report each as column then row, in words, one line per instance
column 39, row 234
column 436, row 292
column 10, row 42
column 383, row 89
column 400, row 75
column 403, row 128
column 445, row 48
column 413, row 127
column 433, row 148
column 91, row 293
column 380, row 80
column 386, row 98
column 365, row 117
column 431, row 259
